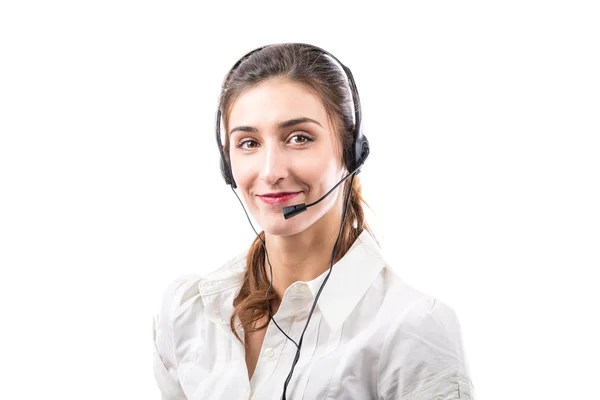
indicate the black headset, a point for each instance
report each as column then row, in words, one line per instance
column 360, row 152
column 360, row 148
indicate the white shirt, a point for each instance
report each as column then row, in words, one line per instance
column 371, row 336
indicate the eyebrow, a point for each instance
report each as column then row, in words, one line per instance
column 281, row 125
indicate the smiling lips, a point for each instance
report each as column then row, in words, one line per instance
column 278, row 198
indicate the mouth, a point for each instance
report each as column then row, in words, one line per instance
column 278, row 198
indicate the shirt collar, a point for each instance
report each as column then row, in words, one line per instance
column 350, row 279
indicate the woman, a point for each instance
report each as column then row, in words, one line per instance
column 269, row 323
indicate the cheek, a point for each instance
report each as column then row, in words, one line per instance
column 242, row 172
column 321, row 173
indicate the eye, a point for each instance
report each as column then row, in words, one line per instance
column 242, row 144
column 302, row 139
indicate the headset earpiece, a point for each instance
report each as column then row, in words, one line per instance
column 361, row 152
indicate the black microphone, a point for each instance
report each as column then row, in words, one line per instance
column 291, row 211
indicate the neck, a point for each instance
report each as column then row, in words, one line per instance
column 306, row 255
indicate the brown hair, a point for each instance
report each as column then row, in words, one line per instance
column 320, row 74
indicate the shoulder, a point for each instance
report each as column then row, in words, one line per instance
column 423, row 345
column 413, row 308
column 180, row 292
column 428, row 320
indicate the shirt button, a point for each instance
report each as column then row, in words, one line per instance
column 269, row 353
column 302, row 288
column 438, row 398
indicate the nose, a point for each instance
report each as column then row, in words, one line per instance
column 274, row 166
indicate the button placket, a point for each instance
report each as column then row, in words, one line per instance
column 271, row 343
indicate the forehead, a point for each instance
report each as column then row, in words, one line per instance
column 276, row 100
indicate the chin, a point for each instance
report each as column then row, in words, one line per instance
column 282, row 230
column 285, row 227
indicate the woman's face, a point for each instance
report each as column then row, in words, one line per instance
column 281, row 141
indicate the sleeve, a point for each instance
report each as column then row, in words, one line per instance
column 422, row 357
column 165, row 362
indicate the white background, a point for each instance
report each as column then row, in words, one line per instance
column 484, row 176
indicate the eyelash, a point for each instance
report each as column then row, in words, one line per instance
column 243, row 141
